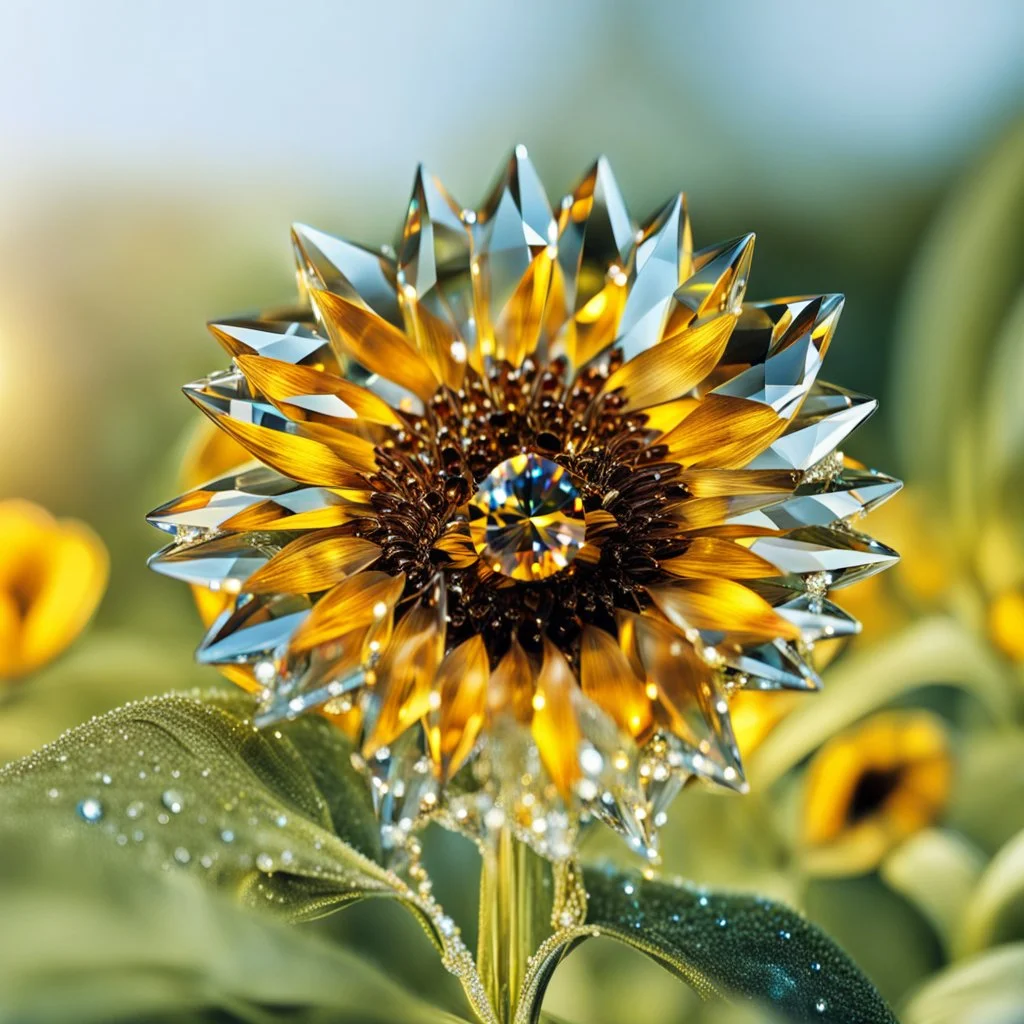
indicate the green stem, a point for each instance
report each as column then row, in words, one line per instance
column 514, row 918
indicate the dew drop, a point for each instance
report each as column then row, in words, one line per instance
column 134, row 809
column 227, row 836
column 182, row 856
column 815, row 966
column 265, row 862
column 281, row 820
column 53, row 793
column 783, row 934
column 90, row 810
column 821, row 1006
column 173, row 801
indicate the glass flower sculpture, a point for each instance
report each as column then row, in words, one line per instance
column 532, row 496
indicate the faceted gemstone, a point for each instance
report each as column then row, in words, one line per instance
column 526, row 520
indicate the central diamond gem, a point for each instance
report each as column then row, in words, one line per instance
column 526, row 521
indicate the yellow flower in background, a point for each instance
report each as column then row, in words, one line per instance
column 52, row 576
column 873, row 786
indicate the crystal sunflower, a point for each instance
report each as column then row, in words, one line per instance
column 533, row 495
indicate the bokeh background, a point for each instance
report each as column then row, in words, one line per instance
column 153, row 156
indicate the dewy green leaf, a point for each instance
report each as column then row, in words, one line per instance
column 734, row 946
column 278, row 817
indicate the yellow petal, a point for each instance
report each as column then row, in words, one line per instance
column 405, row 676
column 375, row 343
column 286, row 384
column 461, row 684
column 314, row 562
column 514, row 334
column 555, row 729
column 608, row 679
column 722, row 606
column 358, row 601
column 52, row 576
column 511, row 686
column 712, row 557
column 676, row 364
column 721, row 483
column 305, row 459
column 723, row 432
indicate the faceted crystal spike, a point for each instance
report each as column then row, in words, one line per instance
column 287, row 341
column 402, row 785
column 774, row 666
column 781, row 381
column 689, row 698
column 828, row 415
column 255, row 628
column 595, row 244
column 324, row 675
column 259, row 497
column 526, row 520
column 514, row 241
column 766, row 327
column 662, row 774
column 306, row 452
column 818, row 618
column 843, row 555
column 663, row 261
column 821, row 503
column 223, row 563
column 434, row 257
column 716, row 285
column 357, row 274
column 609, row 784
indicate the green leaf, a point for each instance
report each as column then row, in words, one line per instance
column 91, row 936
column 937, row 651
column 998, row 895
column 278, row 817
column 735, row 946
column 935, row 871
column 958, row 297
column 987, row 989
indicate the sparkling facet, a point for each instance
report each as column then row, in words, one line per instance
column 526, row 520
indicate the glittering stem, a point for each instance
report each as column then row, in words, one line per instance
column 514, row 918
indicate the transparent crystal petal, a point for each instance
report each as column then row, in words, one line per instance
column 255, row 628
column 843, row 555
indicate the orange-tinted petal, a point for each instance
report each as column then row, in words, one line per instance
column 314, row 562
column 376, row 344
column 461, row 684
column 723, row 606
column 712, row 557
column 555, row 728
column 723, row 432
column 674, row 366
column 358, row 601
column 608, row 679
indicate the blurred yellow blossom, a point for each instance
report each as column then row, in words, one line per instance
column 52, row 576
column 872, row 787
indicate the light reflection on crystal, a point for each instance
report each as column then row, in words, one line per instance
column 526, row 520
